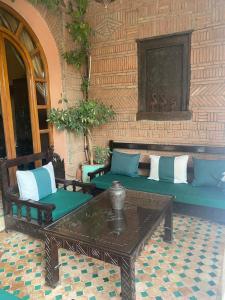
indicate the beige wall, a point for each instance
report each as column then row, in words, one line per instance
column 114, row 70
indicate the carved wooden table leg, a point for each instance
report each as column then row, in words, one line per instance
column 127, row 279
column 168, row 225
column 52, row 262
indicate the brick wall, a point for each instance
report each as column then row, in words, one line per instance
column 114, row 68
column 70, row 82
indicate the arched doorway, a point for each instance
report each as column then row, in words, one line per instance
column 24, row 88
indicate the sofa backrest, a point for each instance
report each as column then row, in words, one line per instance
column 168, row 150
column 9, row 167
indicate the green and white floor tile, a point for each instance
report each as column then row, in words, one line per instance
column 189, row 268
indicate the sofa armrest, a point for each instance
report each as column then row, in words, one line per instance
column 100, row 171
column 65, row 183
column 85, row 187
column 45, row 208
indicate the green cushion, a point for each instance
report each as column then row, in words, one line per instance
column 208, row 172
column 169, row 168
column 89, row 168
column 125, row 164
column 166, row 168
column 185, row 193
column 6, row 296
column 65, row 201
column 221, row 185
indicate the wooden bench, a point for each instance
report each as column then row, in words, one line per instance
column 206, row 152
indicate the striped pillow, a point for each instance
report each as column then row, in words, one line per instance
column 170, row 169
column 37, row 183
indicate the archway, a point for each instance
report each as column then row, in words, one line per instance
column 24, row 87
column 50, row 56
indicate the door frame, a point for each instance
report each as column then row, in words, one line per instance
column 5, row 96
column 32, row 80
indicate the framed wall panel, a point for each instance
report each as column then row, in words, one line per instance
column 164, row 77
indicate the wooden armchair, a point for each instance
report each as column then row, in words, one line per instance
column 19, row 214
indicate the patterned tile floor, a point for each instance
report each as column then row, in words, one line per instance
column 189, row 268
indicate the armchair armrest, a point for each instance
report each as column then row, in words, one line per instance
column 100, row 171
column 85, row 187
column 65, row 182
column 30, row 203
column 45, row 208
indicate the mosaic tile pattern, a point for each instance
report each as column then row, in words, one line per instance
column 189, row 268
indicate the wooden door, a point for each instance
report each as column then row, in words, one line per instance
column 16, row 32
column 6, row 104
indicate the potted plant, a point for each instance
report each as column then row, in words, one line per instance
column 81, row 119
column 89, row 113
column 101, row 155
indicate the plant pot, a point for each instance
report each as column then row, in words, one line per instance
column 89, row 168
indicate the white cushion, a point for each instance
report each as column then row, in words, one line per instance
column 37, row 183
column 170, row 169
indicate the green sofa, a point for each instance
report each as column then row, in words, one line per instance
column 184, row 193
column 205, row 201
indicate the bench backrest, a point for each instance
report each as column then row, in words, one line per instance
column 181, row 149
column 8, row 167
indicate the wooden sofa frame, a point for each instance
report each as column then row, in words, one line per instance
column 213, row 214
column 10, row 196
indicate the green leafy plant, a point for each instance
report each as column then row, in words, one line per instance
column 101, row 154
column 80, row 31
column 89, row 113
column 82, row 119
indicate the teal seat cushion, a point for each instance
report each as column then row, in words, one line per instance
column 185, row 193
column 6, row 296
column 65, row 201
column 125, row 164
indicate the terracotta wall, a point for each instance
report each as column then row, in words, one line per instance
column 49, row 27
column 114, row 70
column 72, row 145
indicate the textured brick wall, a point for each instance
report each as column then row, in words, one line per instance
column 114, row 69
column 71, row 83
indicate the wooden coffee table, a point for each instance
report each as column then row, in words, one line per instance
column 95, row 230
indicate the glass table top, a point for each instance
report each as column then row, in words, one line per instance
column 98, row 225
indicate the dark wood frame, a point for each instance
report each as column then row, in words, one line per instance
column 213, row 214
column 125, row 260
column 10, row 196
column 183, row 39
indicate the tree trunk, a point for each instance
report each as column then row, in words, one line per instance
column 89, row 147
column 86, row 148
